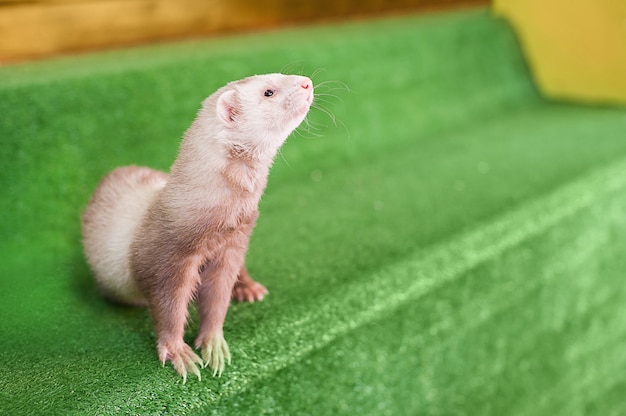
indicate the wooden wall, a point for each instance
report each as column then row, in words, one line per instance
column 39, row 28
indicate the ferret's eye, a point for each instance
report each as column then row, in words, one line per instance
column 269, row 93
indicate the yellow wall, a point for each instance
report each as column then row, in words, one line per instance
column 576, row 48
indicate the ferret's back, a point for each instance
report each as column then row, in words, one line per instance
column 109, row 224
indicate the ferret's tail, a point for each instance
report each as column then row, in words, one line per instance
column 109, row 224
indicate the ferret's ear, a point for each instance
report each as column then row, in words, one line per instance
column 228, row 107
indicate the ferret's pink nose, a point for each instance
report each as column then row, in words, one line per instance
column 306, row 83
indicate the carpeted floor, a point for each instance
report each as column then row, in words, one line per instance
column 453, row 244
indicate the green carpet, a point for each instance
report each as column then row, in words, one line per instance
column 453, row 245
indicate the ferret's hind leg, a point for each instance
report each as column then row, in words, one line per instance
column 246, row 289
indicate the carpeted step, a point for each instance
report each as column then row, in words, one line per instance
column 444, row 242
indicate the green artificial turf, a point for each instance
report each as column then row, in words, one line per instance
column 452, row 245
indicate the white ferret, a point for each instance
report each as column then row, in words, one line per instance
column 161, row 240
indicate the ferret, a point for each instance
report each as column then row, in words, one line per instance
column 164, row 240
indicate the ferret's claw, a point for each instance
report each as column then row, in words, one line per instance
column 183, row 359
column 215, row 353
column 207, row 352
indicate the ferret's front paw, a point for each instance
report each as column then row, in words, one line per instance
column 215, row 352
column 183, row 359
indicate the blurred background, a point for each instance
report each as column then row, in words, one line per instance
column 34, row 29
column 576, row 49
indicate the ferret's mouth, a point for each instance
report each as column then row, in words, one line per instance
column 308, row 101
column 305, row 108
column 302, row 102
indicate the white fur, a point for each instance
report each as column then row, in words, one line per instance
column 113, row 217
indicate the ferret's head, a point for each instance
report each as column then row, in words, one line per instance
column 262, row 110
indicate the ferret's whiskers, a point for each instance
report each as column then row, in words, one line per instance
column 313, row 128
column 345, row 128
column 325, row 98
column 308, row 127
column 289, row 67
column 311, row 125
column 326, row 94
column 317, row 72
column 334, row 86
column 309, row 135
column 282, row 156
column 324, row 110
column 336, row 122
